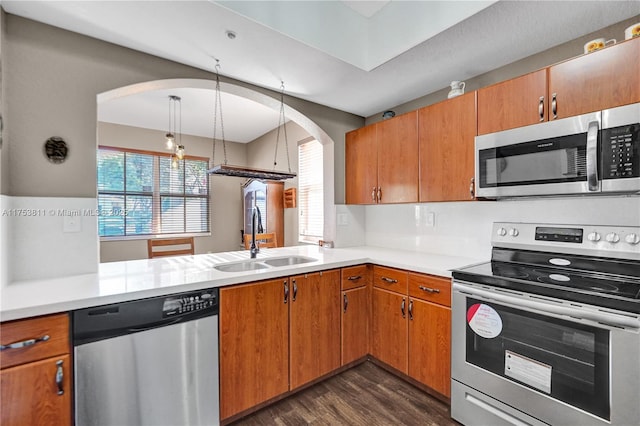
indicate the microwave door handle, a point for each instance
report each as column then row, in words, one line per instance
column 592, row 156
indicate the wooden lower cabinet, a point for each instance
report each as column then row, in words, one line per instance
column 430, row 345
column 35, row 380
column 355, row 324
column 314, row 324
column 254, row 344
column 389, row 328
column 30, row 395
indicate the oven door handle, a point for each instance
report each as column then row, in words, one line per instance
column 577, row 313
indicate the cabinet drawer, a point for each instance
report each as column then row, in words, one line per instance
column 355, row 276
column 390, row 279
column 54, row 326
column 430, row 288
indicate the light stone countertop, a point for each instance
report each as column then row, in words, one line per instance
column 137, row 279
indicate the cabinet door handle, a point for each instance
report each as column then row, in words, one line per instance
column 411, row 310
column 472, row 187
column 59, row 377
column 345, row 302
column 295, row 291
column 24, row 343
column 554, row 106
column 354, row 277
column 389, row 280
column 379, row 194
column 541, row 108
column 286, row 292
column 402, row 305
column 373, row 194
column 428, row 289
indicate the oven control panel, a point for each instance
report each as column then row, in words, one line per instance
column 621, row 242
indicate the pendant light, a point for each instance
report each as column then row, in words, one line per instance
column 225, row 169
column 173, row 142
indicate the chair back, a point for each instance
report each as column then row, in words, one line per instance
column 262, row 240
column 170, row 247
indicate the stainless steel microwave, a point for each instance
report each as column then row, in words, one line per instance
column 595, row 153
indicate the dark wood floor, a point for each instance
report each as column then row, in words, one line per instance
column 364, row 395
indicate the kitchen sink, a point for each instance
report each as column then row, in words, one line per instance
column 257, row 264
column 241, row 266
column 289, row 260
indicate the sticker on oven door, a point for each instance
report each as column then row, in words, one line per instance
column 529, row 371
column 484, row 320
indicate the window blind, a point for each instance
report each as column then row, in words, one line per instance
column 310, row 192
column 140, row 193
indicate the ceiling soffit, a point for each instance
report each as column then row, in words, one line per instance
column 346, row 33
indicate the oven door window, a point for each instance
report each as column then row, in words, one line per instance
column 555, row 160
column 566, row 360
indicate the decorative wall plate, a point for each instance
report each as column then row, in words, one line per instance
column 56, row 150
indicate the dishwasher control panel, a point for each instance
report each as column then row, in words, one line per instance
column 186, row 303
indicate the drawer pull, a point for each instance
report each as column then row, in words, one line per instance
column 429, row 290
column 354, row 277
column 24, row 343
column 59, row 377
column 389, row 280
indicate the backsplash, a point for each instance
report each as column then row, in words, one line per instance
column 48, row 237
column 464, row 228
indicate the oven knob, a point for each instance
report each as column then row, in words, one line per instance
column 632, row 239
column 513, row 232
column 594, row 236
column 502, row 232
column 613, row 237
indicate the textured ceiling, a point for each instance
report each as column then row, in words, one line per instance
column 194, row 33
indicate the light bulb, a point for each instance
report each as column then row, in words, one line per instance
column 170, row 140
column 174, row 162
column 180, row 152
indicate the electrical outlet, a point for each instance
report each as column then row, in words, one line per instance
column 431, row 219
column 343, row 219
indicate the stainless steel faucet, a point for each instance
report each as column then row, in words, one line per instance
column 253, row 249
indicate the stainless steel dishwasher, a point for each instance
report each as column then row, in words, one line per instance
column 148, row 362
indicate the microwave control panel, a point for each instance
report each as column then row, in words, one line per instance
column 621, row 152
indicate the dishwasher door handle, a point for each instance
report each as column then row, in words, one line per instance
column 155, row 325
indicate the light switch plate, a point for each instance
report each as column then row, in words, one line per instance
column 343, row 219
column 431, row 219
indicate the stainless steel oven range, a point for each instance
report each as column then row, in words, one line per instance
column 548, row 332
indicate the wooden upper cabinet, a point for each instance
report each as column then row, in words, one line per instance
column 361, row 165
column 513, row 103
column 604, row 79
column 398, row 159
column 446, row 134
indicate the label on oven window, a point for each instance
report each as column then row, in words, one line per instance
column 484, row 320
column 527, row 370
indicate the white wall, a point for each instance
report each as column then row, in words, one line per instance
column 464, row 228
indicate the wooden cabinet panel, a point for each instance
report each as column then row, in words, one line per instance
column 355, row 276
column 398, row 159
column 604, row 79
column 355, row 324
column 447, row 131
column 30, row 393
column 390, row 279
column 430, row 345
column 513, row 103
column 314, row 346
column 361, row 159
column 389, row 329
column 54, row 326
column 254, row 345
column 430, row 288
